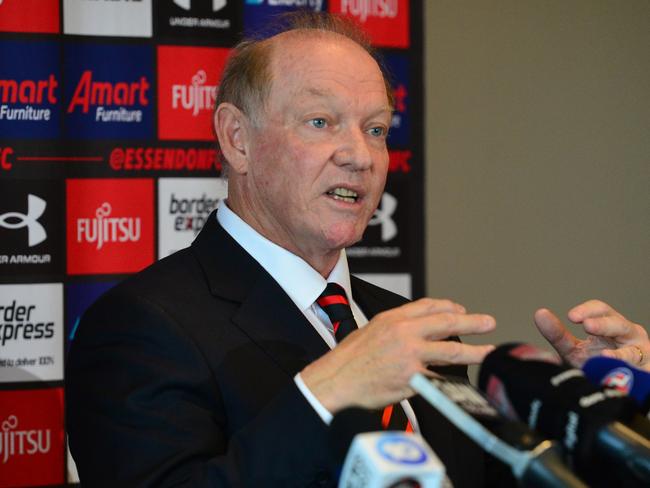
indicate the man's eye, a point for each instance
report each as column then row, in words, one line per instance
column 377, row 131
column 318, row 123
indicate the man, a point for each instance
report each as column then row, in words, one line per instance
column 217, row 366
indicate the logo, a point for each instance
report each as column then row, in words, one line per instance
column 31, row 437
column 109, row 93
column 131, row 18
column 104, row 228
column 257, row 12
column 386, row 21
column 187, row 89
column 31, row 321
column 30, row 228
column 216, row 4
column 398, row 67
column 36, row 16
column 29, row 90
column 401, row 450
column 109, row 225
column 196, row 96
column 400, row 161
column 620, row 379
column 184, row 205
column 383, row 217
column 15, row 220
column 214, row 21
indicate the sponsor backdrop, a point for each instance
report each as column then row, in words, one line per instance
column 107, row 163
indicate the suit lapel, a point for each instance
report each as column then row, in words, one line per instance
column 265, row 314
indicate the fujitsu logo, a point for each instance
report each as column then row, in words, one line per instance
column 103, row 228
column 90, row 92
column 384, row 216
column 187, row 4
column 370, row 8
column 22, row 442
column 195, row 97
column 15, row 220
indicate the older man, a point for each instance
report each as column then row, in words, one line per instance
column 223, row 364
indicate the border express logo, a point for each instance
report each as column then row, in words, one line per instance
column 32, row 444
column 188, row 80
column 31, row 332
column 184, row 205
column 398, row 68
column 108, row 91
column 31, row 234
column 257, row 12
column 110, row 225
column 37, row 16
column 29, row 89
column 130, row 18
column 386, row 21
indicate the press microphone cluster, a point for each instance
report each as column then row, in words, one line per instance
column 533, row 460
column 603, row 435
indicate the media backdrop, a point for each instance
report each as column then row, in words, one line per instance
column 107, row 163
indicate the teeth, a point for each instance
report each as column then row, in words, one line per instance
column 344, row 194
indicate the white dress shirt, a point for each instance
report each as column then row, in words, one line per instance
column 303, row 284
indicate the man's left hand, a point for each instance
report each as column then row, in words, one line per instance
column 608, row 333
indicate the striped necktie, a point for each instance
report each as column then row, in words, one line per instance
column 335, row 304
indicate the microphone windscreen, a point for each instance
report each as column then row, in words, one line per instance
column 619, row 375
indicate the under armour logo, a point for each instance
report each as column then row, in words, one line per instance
column 187, row 4
column 383, row 216
column 35, row 208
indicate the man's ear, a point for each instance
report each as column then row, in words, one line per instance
column 232, row 128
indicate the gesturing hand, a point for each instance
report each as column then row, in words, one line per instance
column 372, row 366
column 608, row 333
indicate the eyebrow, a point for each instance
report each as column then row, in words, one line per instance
column 327, row 93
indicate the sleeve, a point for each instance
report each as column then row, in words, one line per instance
column 144, row 409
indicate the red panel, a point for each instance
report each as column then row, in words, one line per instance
column 29, row 16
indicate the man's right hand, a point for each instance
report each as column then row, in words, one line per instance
column 371, row 368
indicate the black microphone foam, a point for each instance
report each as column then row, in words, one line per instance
column 533, row 386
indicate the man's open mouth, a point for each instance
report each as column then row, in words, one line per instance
column 344, row 195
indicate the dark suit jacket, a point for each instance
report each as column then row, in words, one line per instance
column 182, row 375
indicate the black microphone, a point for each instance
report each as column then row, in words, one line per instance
column 533, row 460
column 604, row 437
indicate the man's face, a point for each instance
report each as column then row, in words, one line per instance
column 318, row 157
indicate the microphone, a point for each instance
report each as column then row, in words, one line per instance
column 386, row 459
column 534, row 462
column 604, row 437
column 619, row 375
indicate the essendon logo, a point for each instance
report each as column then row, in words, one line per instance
column 109, row 91
column 110, row 225
column 187, row 88
column 386, row 21
column 29, row 90
column 29, row 16
column 31, row 437
column 398, row 66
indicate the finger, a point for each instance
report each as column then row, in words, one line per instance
column 633, row 355
column 554, row 331
column 452, row 352
column 442, row 325
column 613, row 326
column 427, row 306
column 590, row 308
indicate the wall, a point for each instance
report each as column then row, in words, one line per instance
column 537, row 149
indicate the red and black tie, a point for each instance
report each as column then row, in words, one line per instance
column 334, row 303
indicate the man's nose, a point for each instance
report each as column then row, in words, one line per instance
column 353, row 151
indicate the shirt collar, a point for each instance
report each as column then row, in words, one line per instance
column 295, row 276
